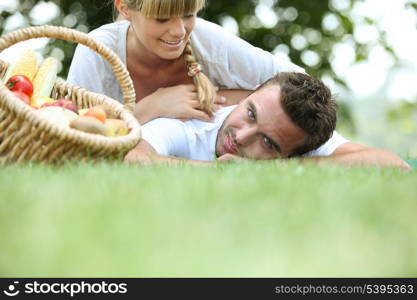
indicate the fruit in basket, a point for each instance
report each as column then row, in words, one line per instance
column 82, row 112
column 115, row 127
column 45, row 78
column 22, row 96
column 68, row 104
column 20, row 83
column 57, row 115
column 97, row 113
column 109, row 111
column 40, row 101
column 89, row 125
column 26, row 64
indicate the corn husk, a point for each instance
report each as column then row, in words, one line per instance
column 26, row 64
column 45, row 78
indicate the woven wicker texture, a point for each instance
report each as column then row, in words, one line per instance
column 25, row 136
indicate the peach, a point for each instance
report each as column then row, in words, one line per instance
column 97, row 113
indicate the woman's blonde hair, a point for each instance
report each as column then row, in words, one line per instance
column 178, row 8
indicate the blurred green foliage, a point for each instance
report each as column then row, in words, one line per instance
column 80, row 15
column 295, row 18
column 404, row 116
column 299, row 31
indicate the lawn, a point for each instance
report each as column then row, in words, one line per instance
column 260, row 219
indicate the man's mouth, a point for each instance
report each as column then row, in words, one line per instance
column 229, row 144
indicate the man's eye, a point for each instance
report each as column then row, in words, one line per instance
column 268, row 143
column 251, row 115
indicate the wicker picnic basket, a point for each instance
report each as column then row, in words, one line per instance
column 25, row 136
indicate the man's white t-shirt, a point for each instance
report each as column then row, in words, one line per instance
column 195, row 139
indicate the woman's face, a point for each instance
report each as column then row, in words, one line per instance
column 166, row 38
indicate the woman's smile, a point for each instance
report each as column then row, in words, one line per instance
column 172, row 44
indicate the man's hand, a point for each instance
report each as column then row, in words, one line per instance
column 136, row 157
column 145, row 155
column 230, row 157
column 140, row 155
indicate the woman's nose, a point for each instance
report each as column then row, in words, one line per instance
column 177, row 28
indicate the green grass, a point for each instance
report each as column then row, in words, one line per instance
column 244, row 220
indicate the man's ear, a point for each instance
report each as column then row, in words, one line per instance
column 123, row 9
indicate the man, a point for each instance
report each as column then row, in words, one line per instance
column 290, row 115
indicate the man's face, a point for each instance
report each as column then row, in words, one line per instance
column 259, row 128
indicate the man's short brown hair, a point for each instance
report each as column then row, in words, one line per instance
column 309, row 104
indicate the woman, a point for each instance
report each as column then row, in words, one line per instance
column 168, row 52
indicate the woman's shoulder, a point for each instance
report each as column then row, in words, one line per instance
column 232, row 62
column 202, row 24
column 216, row 45
column 211, row 42
column 110, row 28
column 111, row 34
column 214, row 39
column 211, row 31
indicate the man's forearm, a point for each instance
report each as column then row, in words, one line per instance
column 146, row 158
column 234, row 96
column 362, row 156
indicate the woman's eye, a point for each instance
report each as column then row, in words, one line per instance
column 268, row 143
column 251, row 115
column 162, row 20
column 189, row 16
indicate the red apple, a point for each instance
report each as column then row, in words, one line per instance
column 22, row 96
column 65, row 104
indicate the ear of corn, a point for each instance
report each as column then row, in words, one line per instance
column 26, row 64
column 45, row 78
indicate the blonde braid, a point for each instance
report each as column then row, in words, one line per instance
column 205, row 89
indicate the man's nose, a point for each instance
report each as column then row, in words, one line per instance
column 245, row 135
column 177, row 28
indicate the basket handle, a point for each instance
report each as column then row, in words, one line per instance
column 68, row 34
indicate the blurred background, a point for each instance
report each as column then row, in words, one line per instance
column 365, row 50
